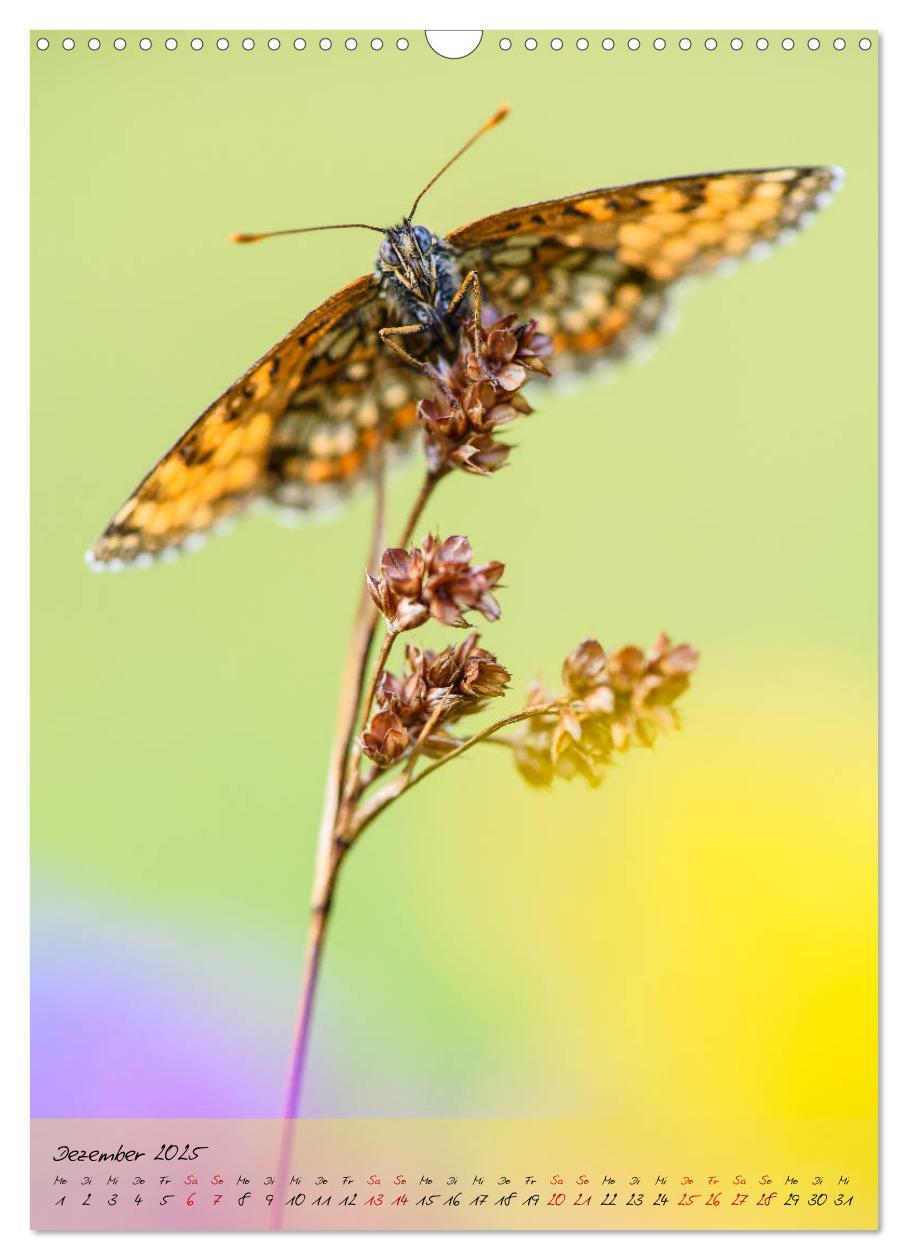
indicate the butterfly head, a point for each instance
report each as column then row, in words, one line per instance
column 407, row 259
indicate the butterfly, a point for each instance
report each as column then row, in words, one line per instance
column 303, row 425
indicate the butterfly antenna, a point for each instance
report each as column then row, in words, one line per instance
column 499, row 116
column 247, row 238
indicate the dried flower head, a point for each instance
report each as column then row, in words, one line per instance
column 613, row 700
column 386, row 739
column 437, row 687
column 436, row 580
column 480, row 393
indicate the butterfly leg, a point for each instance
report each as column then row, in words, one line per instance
column 405, row 330
column 470, row 281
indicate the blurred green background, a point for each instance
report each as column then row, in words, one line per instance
column 683, row 939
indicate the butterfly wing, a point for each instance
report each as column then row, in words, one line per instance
column 299, row 427
column 594, row 268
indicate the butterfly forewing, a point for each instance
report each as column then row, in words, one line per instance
column 594, row 268
column 299, row 426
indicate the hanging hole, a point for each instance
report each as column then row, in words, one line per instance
column 711, row 44
column 299, row 44
column 684, row 44
column 608, row 43
column 659, row 44
column 838, row 44
column 583, row 44
column 762, row 43
column 350, row 44
column 94, row 44
column 737, row 44
column 453, row 44
column 170, row 44
column 69, row 44
column 196, row 44
column 403, row 44
column 223, row 44
column 377, row 44
column 864, row 44
column 633, row 43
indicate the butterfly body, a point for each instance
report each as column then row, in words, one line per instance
column 302, row 426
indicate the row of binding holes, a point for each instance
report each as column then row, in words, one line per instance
column 197, row 44
column 710, row 44
column 402, row 44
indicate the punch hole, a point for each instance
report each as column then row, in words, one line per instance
column 504, row 44
column 248, row 44
column 583, row 44
column 119, row 43
column 737, row 44
column 608, row 43
column 299, row 44
column 684, row 44
column 350, row 44
column 530, row 44
column 788, row 44
column 223, row 44
column 864, row 44
column 145, row 44
column 633, row 43
column 325, row 44
column 170, row 44
column 453, row 44
column 813, row 44
column 69, row 44
column 196, row 44
column 376, row 45
column 403, row 44
column 557, row 44
column 94, row 44
column 762, row 43
column 838, row 44
column 274, row 44
column 711, row 44
column 42, row 44
column 659, row 44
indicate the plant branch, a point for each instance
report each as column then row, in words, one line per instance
column 403, row 783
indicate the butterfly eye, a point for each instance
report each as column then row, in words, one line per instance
column 423, row 238
column 387, row 253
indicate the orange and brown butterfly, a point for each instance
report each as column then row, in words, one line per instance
column 302, row 426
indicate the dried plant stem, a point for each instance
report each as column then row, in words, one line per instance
column 342, row 785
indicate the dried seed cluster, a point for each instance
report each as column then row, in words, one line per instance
column 613, row 701
column 436, row 690
column 436, row 580
column 480, row 393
